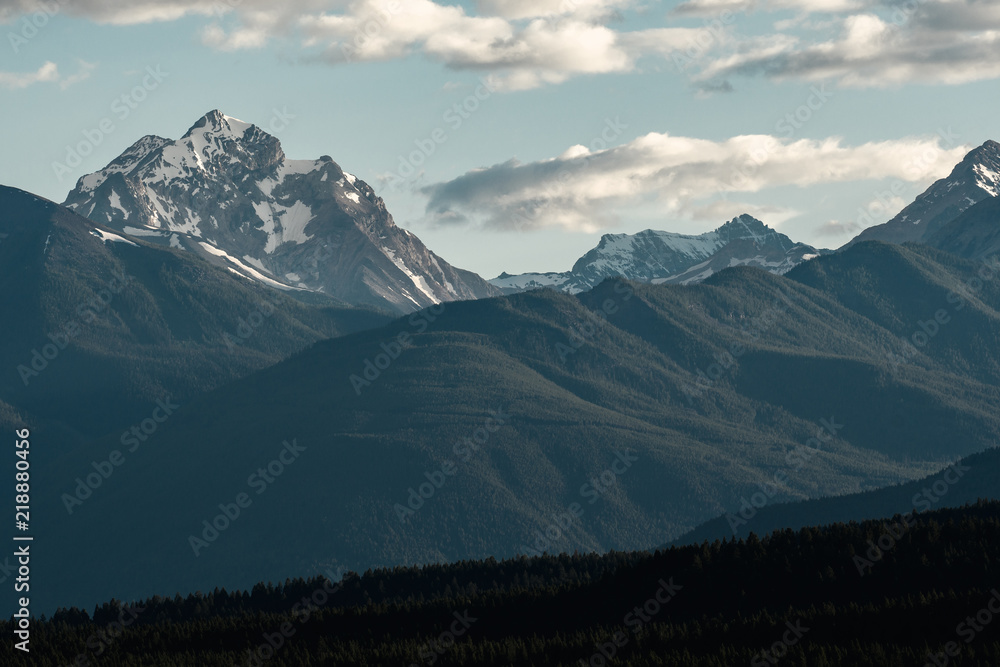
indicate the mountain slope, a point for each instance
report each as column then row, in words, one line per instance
column 227, row 191
column 656, row 257
column 973, row 235
column 474, row 429
column 975, row 178
column 104, row 325
column 966, row 481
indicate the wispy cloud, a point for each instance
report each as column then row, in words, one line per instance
column 48, row 72
column 530, row 43
column 581, row 190
column 934, row 41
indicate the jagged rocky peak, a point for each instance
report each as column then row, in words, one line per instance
column 226, row 190
column 975, row 178
column 659, row 256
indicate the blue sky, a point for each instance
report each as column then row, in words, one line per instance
column 575, row 118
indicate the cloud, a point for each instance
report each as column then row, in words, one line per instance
column 519, row 44
column 47, row 73
column 522, row 9
column 937, row 41
column 519, row 54
column 713, row 7
column 525, row 44
column 110, row 11
column 838, row 228
column 580, row 190
column 84, row 72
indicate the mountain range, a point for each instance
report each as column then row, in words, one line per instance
column 662, row 383
column 665, row 257
column 533, row 423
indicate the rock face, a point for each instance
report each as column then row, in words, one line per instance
column 226, row 190
column 656, row 257
column 974, row 179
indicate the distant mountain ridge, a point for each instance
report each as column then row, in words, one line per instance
column 665, row 257
column 227, row 191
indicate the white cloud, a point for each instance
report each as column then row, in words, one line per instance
column 713, row 7
column 580, row 189
column 47, row 73
column 936, row 41
column 519, row 54
column 529, row 43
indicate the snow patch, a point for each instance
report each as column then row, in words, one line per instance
column 418, row 281
column 248, row 270
column 108, row 236
column 137, row 231
column 116, row 203
column 987, row 179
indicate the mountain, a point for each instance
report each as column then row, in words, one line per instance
column 975, row 178
column 540, row 421
column 101, row 326
column 227, row 191
column 656, row 257
column 966, row 481
column 973, row 235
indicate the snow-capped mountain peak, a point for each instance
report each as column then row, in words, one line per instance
column 659, row 256
column 226, row 190
column 975, row 178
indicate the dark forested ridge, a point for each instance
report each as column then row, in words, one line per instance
column 880, row 593
column 683, row 399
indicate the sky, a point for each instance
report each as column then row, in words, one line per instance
column 510, row 135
